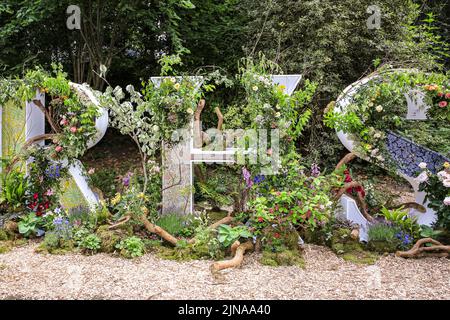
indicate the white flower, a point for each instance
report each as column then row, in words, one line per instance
column 380, row 158
column 277, row 114
column 155, row 128
column 377, row 135
column 255, row 88
column 447, row 201
column 266, row 106
column 422, row 177
column 443, row 175
column 374, row 152
column 446, row 183
column 379, row 108
column 190, row 111
column 422, row 165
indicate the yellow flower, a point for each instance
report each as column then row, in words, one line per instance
column 255, row 88
column 190, row 111
column 446, row 165
column 141, row 195
column 116, row 199
column 177, row 86
column 282, row 87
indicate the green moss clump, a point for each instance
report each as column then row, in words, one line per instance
column 5, row 246
column 177, row 254
column 185, row 253
column 54, row 245
column 350, row 249
column 360, row 257
column 382, row 246
column 283, row 258
column 3, row 235
column 109, row 238
column 214, row 216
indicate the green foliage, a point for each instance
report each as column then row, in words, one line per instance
column 173, row 223
column 228, row 235
column 91, row 243
column 428, row 232
column 401, row 219
column 383, row 238
column 13, row 187
column 114, row 30
column 29, row 225
column 285, row 258
column 131, row 247
column 104, row 179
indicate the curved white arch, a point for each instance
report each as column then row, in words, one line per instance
column 351, row 211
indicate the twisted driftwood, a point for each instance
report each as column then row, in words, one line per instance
column 354, row 184
column 239, row 250
column 436, row 249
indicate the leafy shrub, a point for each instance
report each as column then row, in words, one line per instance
column 29, row 225
column 104, row 179
column 227, row 235
column 131, row 247
column 173, row 223
column 90, row 243
column 401, row 219
column 428, row 232
column 13, row 187
column 384, row 237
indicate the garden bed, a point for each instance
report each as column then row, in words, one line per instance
column 25, row 274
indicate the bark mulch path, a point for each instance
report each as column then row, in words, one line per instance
column 25, row 274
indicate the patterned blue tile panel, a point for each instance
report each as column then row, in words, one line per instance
column 407, row 155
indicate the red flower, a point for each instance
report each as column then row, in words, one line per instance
column 271, row 210
column 276, row 235
column 260, row 219
column 440, row 94
column 35, row 196
column 39, row 213
column 308, row 214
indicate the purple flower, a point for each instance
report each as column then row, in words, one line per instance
column 247, row 177
column 315, row 170
column 259, row 178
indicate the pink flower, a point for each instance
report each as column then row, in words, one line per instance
column 447, row 201
column 440, row 94
column 49, row 192
column 73, row 129
column 58, row 148
column 269, row 152
column 443, row 104
column 91, row 171
column 64, row 122
column 447, row 95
